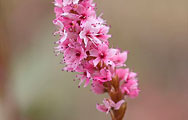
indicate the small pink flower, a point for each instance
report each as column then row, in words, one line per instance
column 130, row 86
column 120, row 58
column 70, row 25
column 85, row 69
column 108, row 104
column 73, row 56
column 84, row 76
column 88, row 34
column 102, row 33
column 85, row 12
column 103, row 54
column 103, row 76
column 62, row 46
column 122, row 73
column 97, row 87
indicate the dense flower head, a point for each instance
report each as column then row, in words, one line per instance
column 85, row 46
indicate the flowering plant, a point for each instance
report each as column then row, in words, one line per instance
column 85, row 46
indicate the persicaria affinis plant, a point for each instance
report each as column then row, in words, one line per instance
column 85, row 46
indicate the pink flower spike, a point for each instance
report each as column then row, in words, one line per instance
column 84, row 45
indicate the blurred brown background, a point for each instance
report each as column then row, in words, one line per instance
column 32, row 86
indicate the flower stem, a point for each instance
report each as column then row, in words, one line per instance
column 112, row 115
column 116, row 95
column 119, row 114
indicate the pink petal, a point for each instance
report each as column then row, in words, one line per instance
column 75, row 1
column 96, row 61
column 97, row 87
column 58, row 3
column 118, row 105
column 101, row 108
column 122, row 73
column 81, row 81
column 112, row 52
column 86, row 82
column 124, row 56
column 93, row 52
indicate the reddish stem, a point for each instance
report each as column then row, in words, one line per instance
column 116, row 95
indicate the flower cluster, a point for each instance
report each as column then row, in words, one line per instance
column 85, row 46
